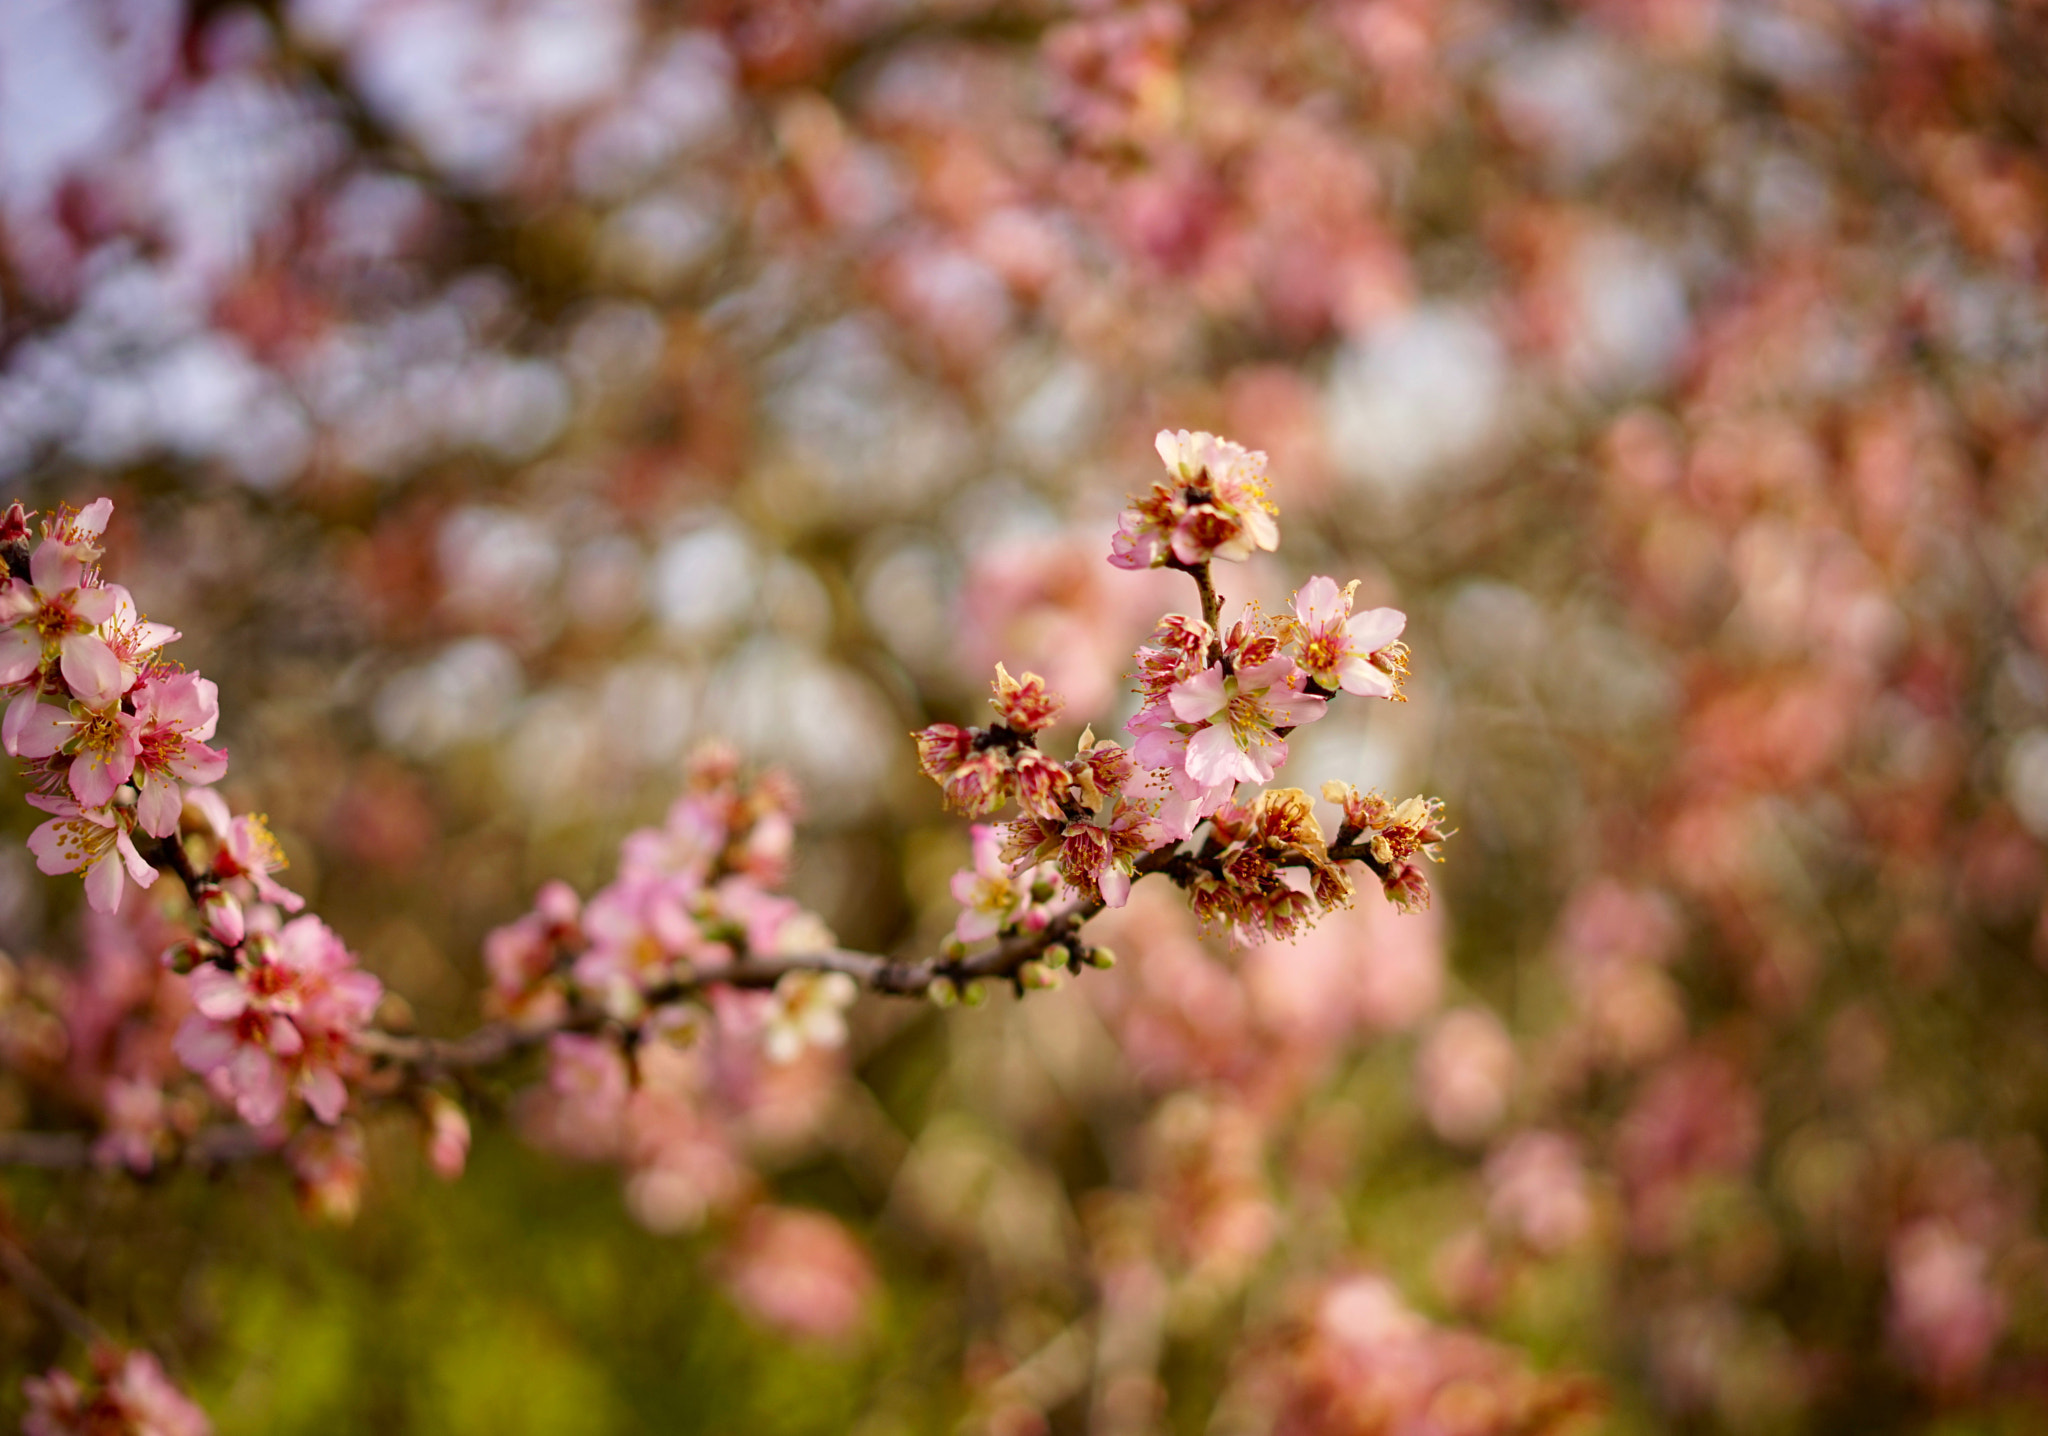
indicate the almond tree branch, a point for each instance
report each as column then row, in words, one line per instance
column 69, row 1151
column 1212, row 603
column 423, row 1058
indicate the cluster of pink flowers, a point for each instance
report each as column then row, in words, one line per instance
column 110, row 732
column 1360, row 1362
column 980, row 769
column 1077, row 818
column 994, row 900
column 114, row 739
column 685, row 1031
column 1271, row 870
column 126, row 1394
column 1213, row 504
column 281, row 1020
column 1396, row 834
column 1217, row 712
column 694, row 899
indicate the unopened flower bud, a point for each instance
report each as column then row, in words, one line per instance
column 1041, row 891
column 183, row 956
column 942, row 992
column 223, row 917
column 1057, row 956
column 1039, row 976
column 974, row 994
column 1101, row 957
column 953, row 949
column 447, row 1135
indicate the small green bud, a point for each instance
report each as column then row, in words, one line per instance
column 953, row 949
column 182, row 957
column 1057, row 956
column 1101, row 957
column 1041, row 891
column 1040, row 976
column 942, row 992
column 974, row 994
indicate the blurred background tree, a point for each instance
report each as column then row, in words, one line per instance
column 502, row 395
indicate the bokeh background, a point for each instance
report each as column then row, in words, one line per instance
column 502, row 395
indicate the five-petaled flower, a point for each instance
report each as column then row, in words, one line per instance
column 98, row 840
column 1359, row 653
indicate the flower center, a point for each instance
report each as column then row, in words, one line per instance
column 1249, row 717
column 1320, row 653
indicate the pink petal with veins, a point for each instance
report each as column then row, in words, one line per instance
column 52, row 859
column 91, row 670
column 33, row 729
column 1214, row 757
column 1202, row 696
column 1374, row 629
column 97, row 772
column 325, row 1093
column 103, row 885
column 52, row 568
column 158, row 805
column 17, row 600
column 219, row 995
column 21, row 653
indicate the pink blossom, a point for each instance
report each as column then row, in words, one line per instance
column 941, row 748
column 1359, row 654
column 809, row 1010
column 54, row 613
column 126, row 1395
column 328, row 1166
column 1102, row 853
column 989, row 896
column 800, row 1273
column 1463, row 1074
column 284, row 1021
column 1536, row 1189
column 447, row 1136
column 225, row 921
column 78, row 533
column 175, row 713
column 95, row 839
column 132, row 637
column 520, row 957
column 1039, row 782
column 248, row 849
column 1213, row 505
column 588, row 1084
column 979, row 785
column 1236, row 720
column 101, row 742
column 1946, row 1316
column 640, row 928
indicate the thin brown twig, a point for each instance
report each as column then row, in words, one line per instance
column 495, row 1042
column 1212, row 604
column 30, row 1280
column 72, row 1151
